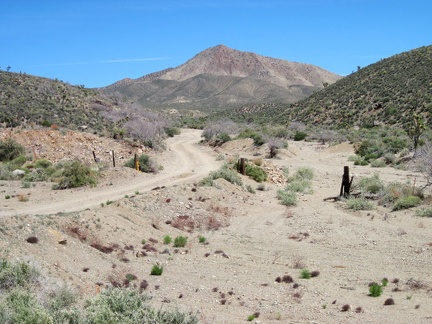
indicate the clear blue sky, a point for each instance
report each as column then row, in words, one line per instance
column 98, row 42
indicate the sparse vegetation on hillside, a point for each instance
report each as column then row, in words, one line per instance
column 26, row 99
column 389, row 92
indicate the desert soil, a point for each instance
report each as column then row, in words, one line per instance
column 251, row 239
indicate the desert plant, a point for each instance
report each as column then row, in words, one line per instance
column 225, row 173
column 18, row 274
column 424, row 212
column 180, row 241
column 202, row 239
column 256, row 173
column 249, row 133
column 375, row 290
column 250, row 189
column 120, row 305
column 305, row 274
column 287, row 198
column 299, row 136
column 360, row 203
column 10, row 149
column 76, row 174
column 167, row 239
column 371, row 184
column 156, row 270
column 146, row 164
column 406, row 202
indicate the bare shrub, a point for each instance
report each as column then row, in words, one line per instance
column 423, row 163
column 212, row 131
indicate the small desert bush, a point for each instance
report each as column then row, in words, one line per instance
column 156, row 270
column 287, row 198
column 18, row 274
column 225, row 173
column 180, row 241
column 42, row 164
column 360, row 203
column 424, row 212
column 406, row 202
column 371, row 184
column 300, row 136
column 248, row 133
column 146, row 164
column 305, row 274
column 250, row 189
column 256, row 173
column 10, row 149
column 304, row 173
column 378, row 163
column 75, row 174
column 375, row 290
column 167, row 239
column 120, row 305
column 202, row 239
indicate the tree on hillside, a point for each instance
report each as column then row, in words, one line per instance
column 416, row 130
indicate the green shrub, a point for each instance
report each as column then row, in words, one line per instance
column 406, row 202
column 248, row 133
column 156, row 270
column 424, row 212
column 305, row 274
column 75, row 174
column 375, row 290
column 167, row 239
column 120, row 305
column 287, row 198
column 304, row 173
column 36, row 175
column 250, row 189
column 10, row 149
column 18, row 161
column 42, row 164
column 300, row 136
column 146, row 164
column 171, row 131
column 299, row 185
column 202, row 239
column 256, row 173
column 180, row 241
column 371, row 184
column 19, row 274
column 359, row 204
column 20, row 306
column 378, row 163
column 222, row 138
column 225, row 173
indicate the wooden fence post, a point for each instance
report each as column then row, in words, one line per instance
column 113, row 158
column 346, row 183
column 241, row 166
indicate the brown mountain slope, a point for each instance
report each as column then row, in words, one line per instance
column 219, row 77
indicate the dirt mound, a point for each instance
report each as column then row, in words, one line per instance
column 57, row 145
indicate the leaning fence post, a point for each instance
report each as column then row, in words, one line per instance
column 241, row 166
column 346, row 183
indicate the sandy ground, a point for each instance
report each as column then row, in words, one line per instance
column 251, row 240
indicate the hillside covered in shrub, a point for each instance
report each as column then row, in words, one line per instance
column 26, row 99
column 387, row 92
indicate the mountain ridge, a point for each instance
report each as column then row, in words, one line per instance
column 220, row 66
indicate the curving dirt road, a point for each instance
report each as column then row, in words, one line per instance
column 183, row 161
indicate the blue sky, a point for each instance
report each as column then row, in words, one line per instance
column 98, row 42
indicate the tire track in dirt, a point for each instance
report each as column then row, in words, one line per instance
column 183, row 161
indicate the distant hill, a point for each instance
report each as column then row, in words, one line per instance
column 220, row 77
column 386, row 92
column 31, row 99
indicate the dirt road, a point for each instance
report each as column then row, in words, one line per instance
column 182, row 161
